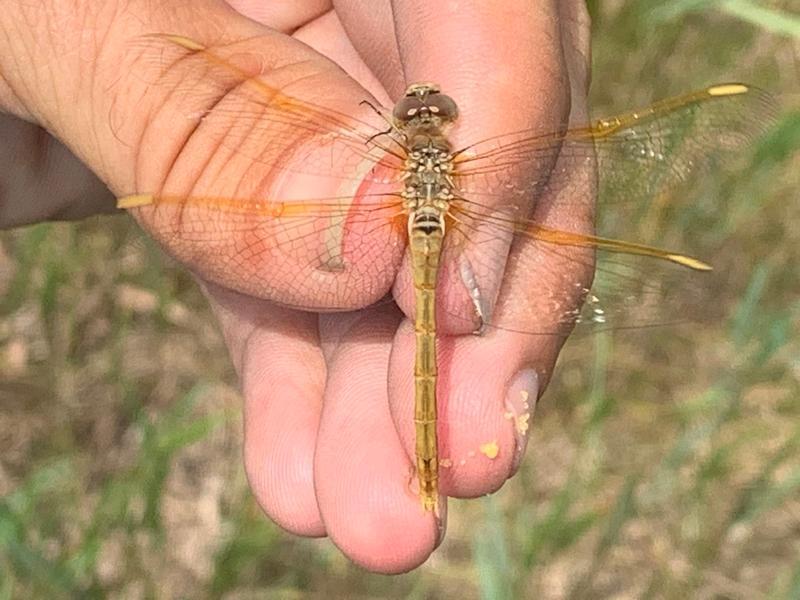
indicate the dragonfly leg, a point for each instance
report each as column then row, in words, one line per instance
column 391, row 125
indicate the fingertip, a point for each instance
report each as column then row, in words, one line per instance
column 486, row 392
column 363, row 477
column 479, row 442
column 280, row 478
column 388, row 532
column 278, row 459
column 283, row 382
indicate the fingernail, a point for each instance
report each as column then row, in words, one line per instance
column 520, row 404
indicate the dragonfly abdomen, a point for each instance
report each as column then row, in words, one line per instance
column 426, row 248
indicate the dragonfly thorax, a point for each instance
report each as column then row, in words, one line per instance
column 428, row 183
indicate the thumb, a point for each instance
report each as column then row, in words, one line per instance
column 78, row 70
column 181, row 118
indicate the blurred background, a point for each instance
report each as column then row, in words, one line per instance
column 664, row 463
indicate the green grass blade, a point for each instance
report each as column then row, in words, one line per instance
column 769, row 19
column 490, row 550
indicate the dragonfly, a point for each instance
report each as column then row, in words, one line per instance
column 438, row 228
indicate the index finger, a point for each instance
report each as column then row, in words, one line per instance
column 501, row 60
column 523, row 84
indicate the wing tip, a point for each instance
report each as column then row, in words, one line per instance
column 692, row 263
column 182, row 40
column 135, row 201
column 728, row 89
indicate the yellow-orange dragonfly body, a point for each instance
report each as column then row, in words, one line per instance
column 461, row 218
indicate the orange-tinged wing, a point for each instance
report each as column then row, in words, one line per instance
column 322, row 254
column 555, row 280
column 226, row 98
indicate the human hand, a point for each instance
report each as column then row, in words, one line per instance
column 328, row 444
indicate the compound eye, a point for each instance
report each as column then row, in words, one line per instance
column 406, row 109
column 424, row 102
column 443, row 106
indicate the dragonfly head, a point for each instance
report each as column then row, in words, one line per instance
column 424, row 106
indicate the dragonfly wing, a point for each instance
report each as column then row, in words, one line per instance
column 325, row 254
column 548, row 211
column 257, row 146
column 552, row 281
column 637, row 156
column 230, row 98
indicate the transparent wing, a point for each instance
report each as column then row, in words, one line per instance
column 552, row 211
column 330, row 254
column 637, row 155
column 225, row 97
column 555, row 281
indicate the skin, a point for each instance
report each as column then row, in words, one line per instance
column 328, row 398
